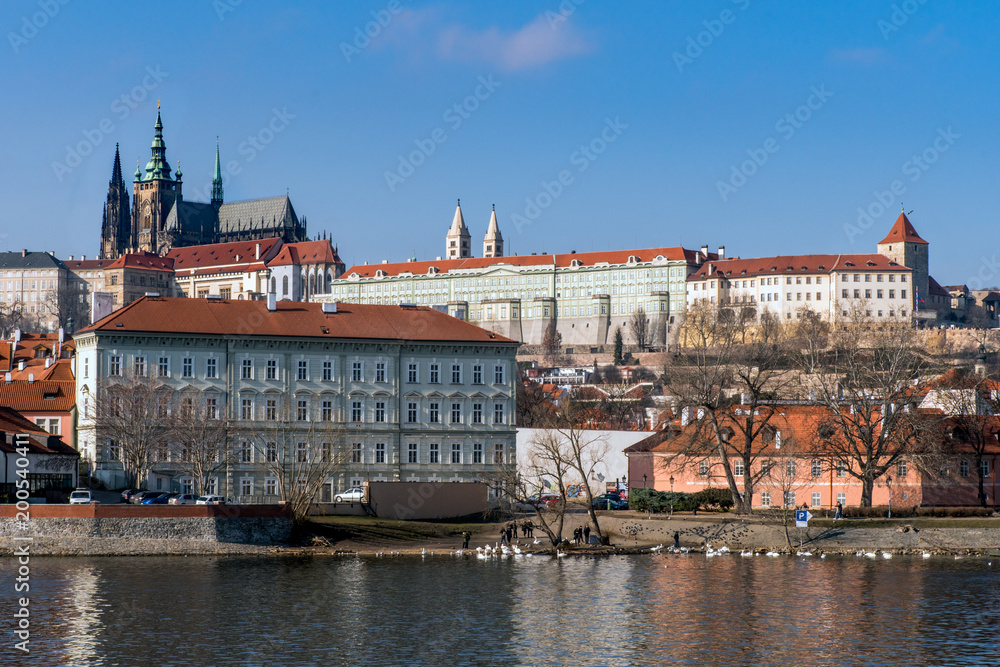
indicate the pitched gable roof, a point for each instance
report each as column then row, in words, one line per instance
column 224, row 317
column 306, row 252
column 792, row 264
column 259, row 214
column 902, row 232
column 241, row 254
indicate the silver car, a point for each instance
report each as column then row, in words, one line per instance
column 350, row 496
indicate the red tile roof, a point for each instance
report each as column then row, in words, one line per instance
column 38, row 396
column 215, row 255
column 792, row 264
column 39, row 442
column 902, row 232
column 306, row 252
column 934, row 288
column 541, row 261
column 143, row 260
column 291, row 319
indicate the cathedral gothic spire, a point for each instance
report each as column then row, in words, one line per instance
column 116, row 225
column 217, row 178
column 458, row 241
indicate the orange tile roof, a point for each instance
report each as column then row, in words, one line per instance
column 792, row 264
column 542, row 261
column 241, row 253
column 40, row 442
column 6, row 355
column 902, row 232
column 223, row 317
column 934, row 288
column 306, row 252
column 38, row 396
column 143, row 260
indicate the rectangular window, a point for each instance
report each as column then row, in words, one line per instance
column 412, row 455
column 411, row 413
column 246, row 408
column 435, row 374
column 326, row 452
column 356, row 411
column 498, row 374
column 303, row 371
column 842, row 498
column 357, row 372
column 246, row 369
column 984, row 467
column 302, row 410
column 212, row 368
column 703, row 465
column 435, row 452
column 380, row 412
column 456, row 413
column 477, row 452
column 789, row 499
column 246, row 486
column 765, row 499
column 901, row 469
column 357, row 452
column 498, row 416
column 902, row 293
column 212, row 408
column 868, row 294
column 477, row 413
column 841, row 469
column 434, row 413
column 789, row 468
column 878, row 293
column 86, row 368
column 456, row 452
column 272, row 369
column 817, row 499
column 163, row 367
column 857, row 294
column 411, row 374
column 456, row 373
column 892, row 293
column 115, row 366
column 246, row 452
column 271, row 452
column 271, row 409
column 380, row 371
column 738, row 467
column 271, row 486
column 327, row 371
column 817, row 468
column 327, row 410
column 380, row 452
column 498, row 453
column 301, row 452
column 477, row 374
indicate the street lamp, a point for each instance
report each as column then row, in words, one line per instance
column 671, row 495
column 888, row 485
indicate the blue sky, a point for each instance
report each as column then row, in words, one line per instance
column 761, row 126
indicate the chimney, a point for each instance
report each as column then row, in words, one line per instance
column 8, row 377
column 17, row 336
column 257, row 253
column 709, row 269
column 722, row 252
column 31, row 378
column 24, row 252
column 83, row 257
column 272, row 301
column 62, row 336
column 48, row 362
column 20, row 365
column 71, row 258
column 704, row 251
column 329, row 307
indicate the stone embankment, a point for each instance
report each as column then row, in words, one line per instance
column 904, row 536
column 132, row 530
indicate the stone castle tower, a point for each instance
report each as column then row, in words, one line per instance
column 904, row 246
column 493, row 242
column 116, row 225
column 153, row 195
column 458, row 242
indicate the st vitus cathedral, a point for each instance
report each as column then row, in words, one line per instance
column 159, row 219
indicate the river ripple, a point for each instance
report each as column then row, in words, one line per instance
column 444, row 610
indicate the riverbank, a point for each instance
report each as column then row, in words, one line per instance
column 629, row 533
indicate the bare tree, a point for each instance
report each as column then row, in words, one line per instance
column 638, row 325
column 11, row 318
column 871, row 420
column 785, row 474
column 132, row 413
column 552, row 343
column 810, row 336
column 301, row 457
column 725, row 385
column 584, row 451
column 200, row 442
column 70, row 308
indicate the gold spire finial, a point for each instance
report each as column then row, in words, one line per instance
column 157, row 105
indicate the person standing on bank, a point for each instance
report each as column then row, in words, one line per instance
column 840, row 511
column 466, row 535
column 586, row 535
column 677, row 540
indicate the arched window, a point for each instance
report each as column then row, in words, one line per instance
column 274, row 285
column 284, row 286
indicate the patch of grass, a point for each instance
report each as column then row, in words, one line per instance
column 367, row 529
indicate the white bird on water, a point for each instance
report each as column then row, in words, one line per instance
column 869, row 554
column 886, row 555
column 926, row 554
column 773, row 553
column 537, row 541
column 657, row 548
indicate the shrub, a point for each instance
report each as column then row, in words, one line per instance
column 714, row 497
column 650, row 500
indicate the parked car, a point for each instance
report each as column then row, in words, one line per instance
column 128, row 493
column 350, row 496
column 80, row 497
column 183, row 499
column 154, row 498
column 545, row 499
column 136, row 498
column 610, row 502
column 210, row 500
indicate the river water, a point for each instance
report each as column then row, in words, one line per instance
column 447, row 610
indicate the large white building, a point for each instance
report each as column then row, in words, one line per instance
column 417, row 395
column 587, row 295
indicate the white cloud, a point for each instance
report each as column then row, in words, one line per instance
column 535, row 44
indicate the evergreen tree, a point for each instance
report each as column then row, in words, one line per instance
column 619, row 358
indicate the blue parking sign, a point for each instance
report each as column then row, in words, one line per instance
column 802, row 518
